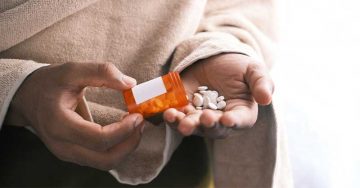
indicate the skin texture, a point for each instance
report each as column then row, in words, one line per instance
column 52, row 114
column 243, row 81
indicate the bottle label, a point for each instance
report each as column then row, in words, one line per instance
column 148, row 90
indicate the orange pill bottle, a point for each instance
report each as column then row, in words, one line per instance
column 156, row 95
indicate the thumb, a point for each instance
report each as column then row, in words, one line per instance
column 260, row 83
column 102, row 75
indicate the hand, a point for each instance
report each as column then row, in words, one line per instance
column 243, row 81
column 47, row 101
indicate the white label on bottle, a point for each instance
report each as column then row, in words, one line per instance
column 148, row 90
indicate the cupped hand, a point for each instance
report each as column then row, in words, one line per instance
column 47, row 101
column 245, row 83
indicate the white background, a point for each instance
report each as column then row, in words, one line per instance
column 318, row 90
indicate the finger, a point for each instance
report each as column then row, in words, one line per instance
column 188, row 109
column 260, row 83
column 98, row 75
column 170, row 115
column 209, row 118
column 189, row 123
column 105, row 160
column 240, row 117
column 94, row 136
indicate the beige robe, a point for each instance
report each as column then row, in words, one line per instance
column 146, row 39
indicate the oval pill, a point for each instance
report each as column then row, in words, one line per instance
column 221, row 98
column 221, row 105
column 202, row 88
column 206, row 102
column 198, row 100
column 212, row 106
column 213, row 96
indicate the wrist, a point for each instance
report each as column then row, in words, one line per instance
column 17, row 114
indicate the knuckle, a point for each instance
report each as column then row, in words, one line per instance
column 256, row 72
column 255, row 66
column 106, row 68
column 67, row 70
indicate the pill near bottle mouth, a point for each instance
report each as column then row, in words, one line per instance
column 208, row 99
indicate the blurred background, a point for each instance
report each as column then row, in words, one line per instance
column 318, row 90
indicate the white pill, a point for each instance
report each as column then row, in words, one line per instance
column 202, row 88
column 212, row 106
column 212, row 95
column 203, row 92
column 221, row 98
column 221, row 105
column 198, row 100
column 198, row 108
column 206, row 101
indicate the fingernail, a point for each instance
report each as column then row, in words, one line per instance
column 128, row 80
column 138, row 121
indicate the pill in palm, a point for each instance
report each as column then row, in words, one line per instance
column 208, row 99
column 198, row 100
column 213, row 96
column 202, row 92
column 221, row 105
column 202, row 88
column 212, row 106
column 221, row 98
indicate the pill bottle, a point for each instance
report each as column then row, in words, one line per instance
column 156, row 95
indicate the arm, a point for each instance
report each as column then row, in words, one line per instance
column 248, row 156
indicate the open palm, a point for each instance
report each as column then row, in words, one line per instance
column 243, row 81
